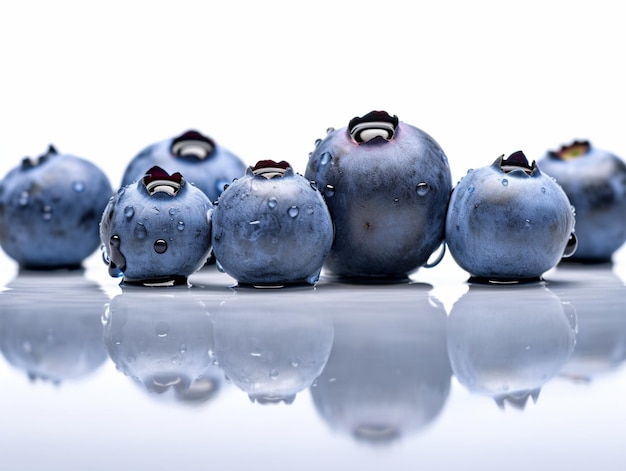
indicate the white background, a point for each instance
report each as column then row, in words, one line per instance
column 265, row 79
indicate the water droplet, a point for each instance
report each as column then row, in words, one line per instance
column 293, row 211
column 470, row 188
column 313, row 185
column 527, row 223
column 78, row 186
column 317, row 142
column 325, row 158
column 172, row 211
column 182, row 348
column 129, row 212
column 180, row 226
column 329, row 191
column 24, row 198
column 422, row 188
column 106, row 315
column 162, row 329
column 256, row 354
column 219, row 266
column 221, row 185
column 160, row 246
column 505, row 182
column 155, row 210
column 140, row 231
column 117, row 262
column 295, row 362
column 47, row 213
column 543, row 189
column 272, row 202
column 274, row 374
column 329, row 130
column 105, row 255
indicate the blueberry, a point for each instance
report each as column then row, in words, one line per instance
column 509, row 221
column 156, row 230
column 207, row 165
column 595, row 183
column 50, row 207
column 271, row 227
column 387, row 185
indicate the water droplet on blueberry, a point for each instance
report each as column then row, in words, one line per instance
column 470, row 188
column 47, row 213
column 505, row 182
column 274, row 374
column 219, row 266
column 24, row 198
column 160, row 246
column 329, row 190
column 527, row 223
column 180, row 226
column 293, row 211
column 129, row 212
column 325, row 158
column 422, row 188
column 317, row 142
column 140, row 231
column 272, row 202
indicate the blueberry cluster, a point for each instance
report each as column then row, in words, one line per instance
column 376, row 202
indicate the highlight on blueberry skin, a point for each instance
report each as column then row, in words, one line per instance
column 271, row 227
column 387, row 185
column 206, row 164
column 595, row 183
column 509, row 222
column 50, row 207
column 156, row 230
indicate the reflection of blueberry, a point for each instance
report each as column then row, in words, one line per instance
column 50, row 326
column 595, row 183
column 50, row 208
column 271, row 227
column 156, row 229
column 206, row 164
column 387, row 185
column 507, row 343
column 509, row 221
column 272, row 348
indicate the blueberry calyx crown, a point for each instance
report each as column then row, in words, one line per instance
column 571, row 151
column 157, row 180
column 30, row 162
column 516, row 162
column 192, row 145
column 270, row 169
column 373, row 125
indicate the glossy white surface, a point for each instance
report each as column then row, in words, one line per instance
column 434, row 373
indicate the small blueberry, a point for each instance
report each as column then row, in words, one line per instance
column 271, row 227
column 595, row 183
column 50, row 207
column 156, row 230
column 208, row 165
column 509, row 221
column 387, row 185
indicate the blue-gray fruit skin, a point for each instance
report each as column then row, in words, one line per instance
column 206, row 164
column 387, row 185
column 595, row 183
column 509, row 221
column 50, row 208
column 156, row 230
column 271, row 227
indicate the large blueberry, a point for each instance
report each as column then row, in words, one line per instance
column 595, row 183
column 271, row 227
column 206, row 164
column 509, row 221
column 50, row 208
column 156, row 230
column 387, row 185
